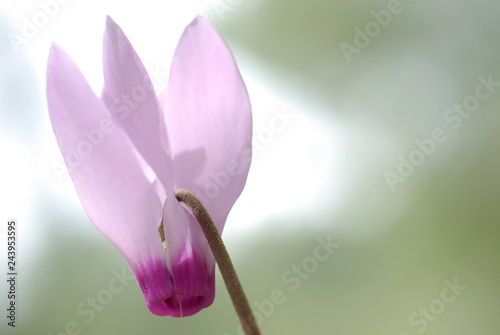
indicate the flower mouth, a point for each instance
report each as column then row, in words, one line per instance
column 177, row 304
column 184, row 281
column 180, row 305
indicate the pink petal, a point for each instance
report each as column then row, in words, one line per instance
column 209, row 119
column 118, row 198
column 130, row 96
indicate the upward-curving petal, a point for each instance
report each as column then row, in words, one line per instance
column 117, row 196
column 209, row 120
column 132, row 100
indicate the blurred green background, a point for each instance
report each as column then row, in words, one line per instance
column 324, row 176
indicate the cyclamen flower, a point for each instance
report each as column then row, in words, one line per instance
column 129, row 150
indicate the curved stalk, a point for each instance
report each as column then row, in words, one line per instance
column 226, row 267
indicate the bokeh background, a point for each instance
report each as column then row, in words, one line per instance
column 351, row 121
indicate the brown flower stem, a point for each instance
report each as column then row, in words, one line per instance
column 226, row 267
